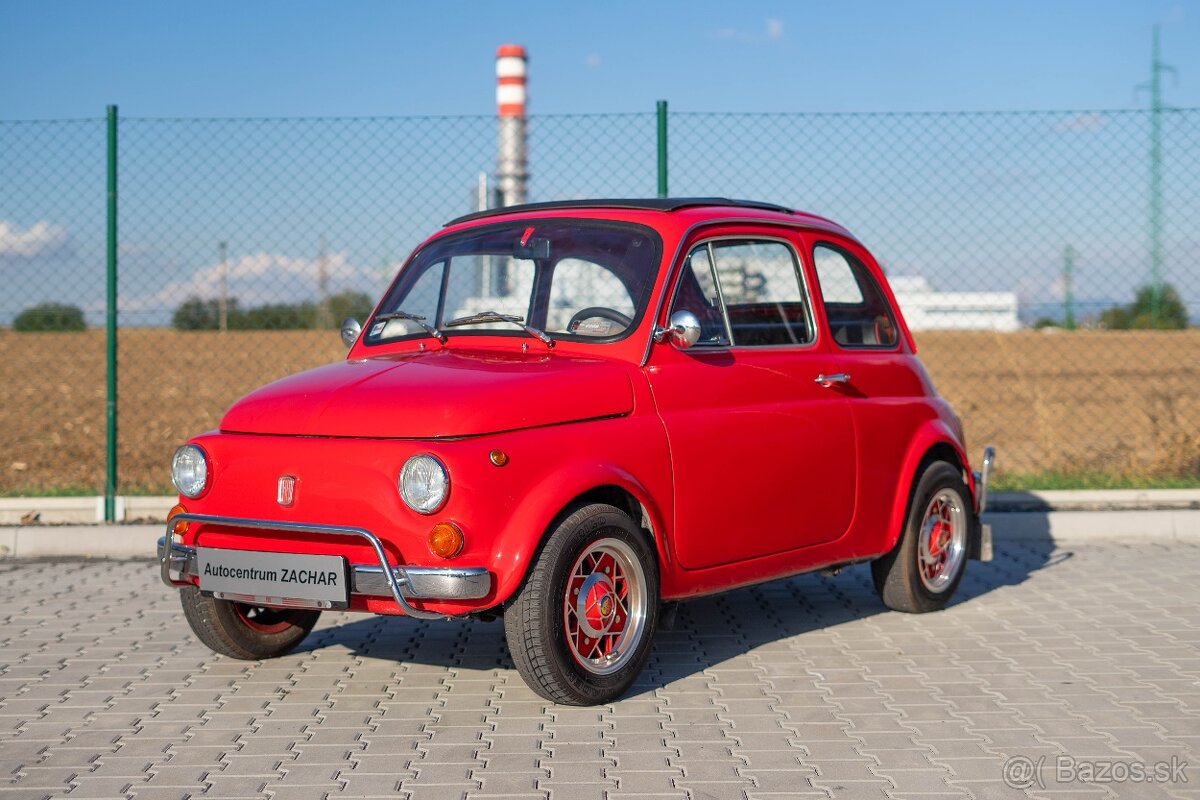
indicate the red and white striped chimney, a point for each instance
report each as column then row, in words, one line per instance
column 511, row 158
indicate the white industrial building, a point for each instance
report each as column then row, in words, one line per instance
column 925, row 309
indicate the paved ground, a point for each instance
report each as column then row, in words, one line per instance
column 799, row 688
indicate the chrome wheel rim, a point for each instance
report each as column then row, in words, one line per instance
column 942, row 541
column 604, row 607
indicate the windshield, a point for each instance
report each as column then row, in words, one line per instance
column 576, row 280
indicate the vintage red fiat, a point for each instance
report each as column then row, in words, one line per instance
column 569, row 414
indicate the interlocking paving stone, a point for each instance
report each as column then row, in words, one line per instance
column 800, row 688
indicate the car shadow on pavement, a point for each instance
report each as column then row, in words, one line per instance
column 706, row 632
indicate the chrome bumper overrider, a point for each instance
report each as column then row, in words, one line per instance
column 981, row 479
column 982, row 475
column 178, row 563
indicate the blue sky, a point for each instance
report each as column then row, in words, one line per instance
column 304, row 58
column 971, row 202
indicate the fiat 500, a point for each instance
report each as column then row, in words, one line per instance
column 570, row 414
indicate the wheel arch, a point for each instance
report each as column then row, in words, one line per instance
column 534, row 520
column 935, row 441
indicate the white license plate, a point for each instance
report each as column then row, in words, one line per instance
column 250, row 576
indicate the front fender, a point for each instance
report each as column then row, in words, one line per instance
column 599, row 455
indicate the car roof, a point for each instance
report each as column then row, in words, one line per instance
column 662, row 204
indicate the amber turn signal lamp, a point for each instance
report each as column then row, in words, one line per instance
column 446, row 540
column 498, row 457
column 181, row 526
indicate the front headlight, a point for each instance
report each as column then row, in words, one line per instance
column 189, row 471
column 424, row 484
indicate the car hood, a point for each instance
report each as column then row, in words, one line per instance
column 443, row 393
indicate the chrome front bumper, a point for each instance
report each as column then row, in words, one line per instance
column 178, row 565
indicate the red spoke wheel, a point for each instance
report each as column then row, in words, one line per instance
column 925, row 567
column 243, row 631
column 604, row 606
column 942, row 540
column 264, row 619
column 581, row 625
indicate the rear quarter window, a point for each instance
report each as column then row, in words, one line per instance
column 858, row 313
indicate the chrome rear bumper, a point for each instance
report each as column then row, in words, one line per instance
column 178, row 565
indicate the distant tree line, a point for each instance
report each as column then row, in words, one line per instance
column 198, row 314
column 50, row 317
column 1167, row 312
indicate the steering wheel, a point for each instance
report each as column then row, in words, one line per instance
column 598, row 311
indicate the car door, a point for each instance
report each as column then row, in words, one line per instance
column 762, row 453
column 886, row 387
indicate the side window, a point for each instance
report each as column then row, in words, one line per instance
column 858, row 314
column 697, row 293
column 761, row 287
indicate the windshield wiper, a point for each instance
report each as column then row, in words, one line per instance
column 417, row 318
column 495, row 316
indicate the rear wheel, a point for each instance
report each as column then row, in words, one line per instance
column 244, row 631
column 581, row 626
column 926, row 565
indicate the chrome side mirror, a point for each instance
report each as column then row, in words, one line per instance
column 684, row 329
column 350, row 331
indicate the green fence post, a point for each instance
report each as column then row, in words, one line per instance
column 662, row 148
column 110, row 403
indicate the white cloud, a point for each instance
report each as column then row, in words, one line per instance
column 259, row 278
column 592, row 61
column 772, row 31
column 39, row 239
column 134, row 249
column 1084, row 122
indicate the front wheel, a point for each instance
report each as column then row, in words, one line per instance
column 244, row 631
column 926, row 565
column 581, row 626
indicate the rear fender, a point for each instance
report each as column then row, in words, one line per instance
column 932, row 434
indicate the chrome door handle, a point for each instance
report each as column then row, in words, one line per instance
column 829, row 380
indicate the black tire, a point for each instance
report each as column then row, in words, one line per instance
column 245, row 632
column 898, row 574
column 536, row 620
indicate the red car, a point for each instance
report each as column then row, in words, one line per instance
column 569, row 414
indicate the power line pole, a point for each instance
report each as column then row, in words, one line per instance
column 323, row 319
column 223, row 301
column 1157, row 68
column 1069, row 288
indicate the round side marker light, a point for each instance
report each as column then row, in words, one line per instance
column 498, row 457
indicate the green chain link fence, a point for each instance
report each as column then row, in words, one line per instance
column 1021, row 245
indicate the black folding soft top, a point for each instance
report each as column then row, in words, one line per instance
column 652, row 204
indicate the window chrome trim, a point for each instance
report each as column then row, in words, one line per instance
column 797, row 266
column 675, row 265
column 653, row 235
column 716, row 279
